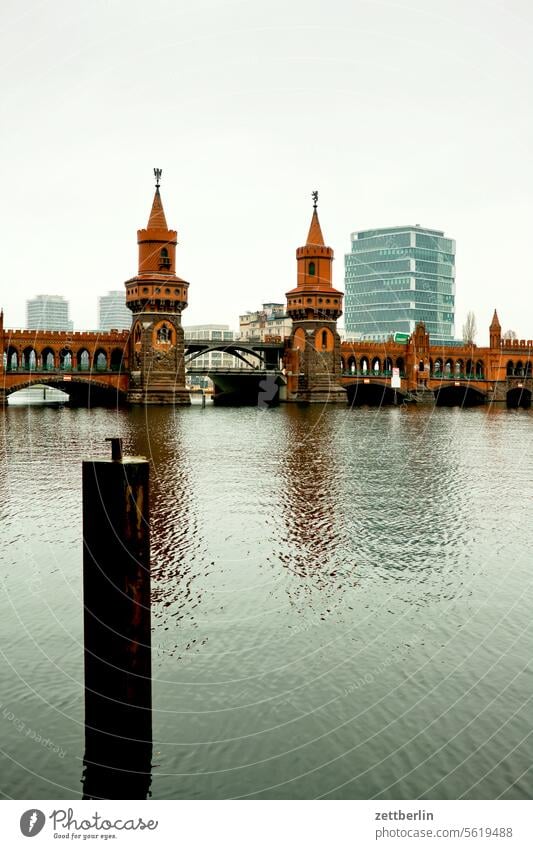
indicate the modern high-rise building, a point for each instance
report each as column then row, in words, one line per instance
column 48, row 312
column 113, row 314
column 396, row 277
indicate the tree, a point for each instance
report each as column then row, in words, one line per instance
column 509, row 334
column 469, row 329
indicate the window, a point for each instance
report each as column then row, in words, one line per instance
column 311, row 269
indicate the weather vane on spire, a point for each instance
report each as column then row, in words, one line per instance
column 314, row 195
column 157, row 175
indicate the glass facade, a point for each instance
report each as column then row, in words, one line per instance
column 48, row 312
column 397, row 276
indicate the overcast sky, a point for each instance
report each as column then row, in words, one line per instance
column 416, row 112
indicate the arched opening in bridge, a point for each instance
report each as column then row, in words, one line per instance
column 519, row 397
column 401, row 365
column 11, row 362
column 387, row 365
column 48, row 360
column 84, row 360
column 437, row 370
column 469, row 369
column 448, row 367
column 372, row 394
column 376, row 365
column 459, row 368
column 479, row 369
column 519, row 369
column 65, row 359
column 116, row 359
column 100, row 360
column 364, row 365
column 510, row 368
column 29, row 359
column 459, row 396
column 527, row 369
column 352, row 365
column 38, row 395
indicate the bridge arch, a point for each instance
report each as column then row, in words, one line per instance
column 48, row 359
column 449, row 395
column 65, row 358
column 83, row 360
column 84, row 390
column 375, row 393
column 29, row 358
column 517, row 397
column 116, row 360
column 11, row 361
column 238, row 351
column 400, row 363
column 100, row 360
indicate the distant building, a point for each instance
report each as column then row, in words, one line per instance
column 218, row 334
column 396, row 277
column 270, row 321
column 48, row 312
column 113, row 314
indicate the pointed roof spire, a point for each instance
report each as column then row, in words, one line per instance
column 495, row 321
column 157, row 220
column 315, row 237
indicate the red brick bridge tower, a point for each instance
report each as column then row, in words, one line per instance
column 314, row 357
column 157, row 297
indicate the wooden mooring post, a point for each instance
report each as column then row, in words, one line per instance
column 117, row 638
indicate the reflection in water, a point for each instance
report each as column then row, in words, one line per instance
column 341, row 602
column 310, row 495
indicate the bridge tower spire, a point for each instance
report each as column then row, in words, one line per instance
column 495, row 331
column 314, row 306
column 157, row 297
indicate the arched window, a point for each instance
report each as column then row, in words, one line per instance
column 164, row 334
column 510, row 367
column 164, row 258
column 324, row 339
column 100, row 360
column 83, row 360
column 311, row 269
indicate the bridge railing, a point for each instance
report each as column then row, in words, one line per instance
column 445, row 375
column 369, row 373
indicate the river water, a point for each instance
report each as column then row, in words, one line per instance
column 342, row 600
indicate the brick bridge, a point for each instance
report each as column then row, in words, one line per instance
column 147, row 364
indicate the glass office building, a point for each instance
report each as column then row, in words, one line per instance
column 48, row 312
column 113, row 314
column 396, row 277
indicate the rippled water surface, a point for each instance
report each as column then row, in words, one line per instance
column 342, row 600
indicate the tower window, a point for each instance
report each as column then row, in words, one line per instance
column 164, row 258
column 324, row 339
column 311, row 269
